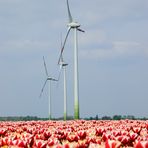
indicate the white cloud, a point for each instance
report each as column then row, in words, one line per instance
column 92, row 37
column 96, row 54
column 99, row 11
column 118, row 49
column 23, row 45
column 126, row 47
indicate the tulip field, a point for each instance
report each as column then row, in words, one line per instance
column 74, row 134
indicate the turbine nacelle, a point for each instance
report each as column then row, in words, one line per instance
column 51, row 79
column 64, row 64
column 47, row 75
column 73, row 25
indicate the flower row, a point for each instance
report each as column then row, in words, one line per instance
column 74, row 134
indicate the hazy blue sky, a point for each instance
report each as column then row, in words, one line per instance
column 113, row 56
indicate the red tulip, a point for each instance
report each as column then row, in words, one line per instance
column 82, row 134
column 116, row 133
column 141, row 144
column 15, row 142
column 47, row 134
column 5, row 141
column 99, row 131
column 3, row 131
column 50, row 142
column 1, row 142
column 112, row 144
column 90, row 140
column 40, row 144
column 72, row 138
column 22, row 144
column 133, row 136
column 136, row 129
column 125, row 140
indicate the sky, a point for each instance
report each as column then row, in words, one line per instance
column 113, row 57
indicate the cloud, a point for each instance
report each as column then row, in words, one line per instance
column 126, row 47
column 92, row 37
column 96, row 54
column 115, row 50
column 99, row 11
column 116, row 29
column 23, row 45
column 132, row 48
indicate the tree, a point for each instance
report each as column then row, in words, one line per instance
column 117, row 117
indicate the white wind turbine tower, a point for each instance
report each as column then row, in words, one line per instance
column 76, row 27
column 63, row 66
column 49, row 79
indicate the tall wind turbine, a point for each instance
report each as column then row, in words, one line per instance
column 49, row 79
column 76, row 27
column 63, row 66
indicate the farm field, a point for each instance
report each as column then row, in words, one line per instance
column 74, row 134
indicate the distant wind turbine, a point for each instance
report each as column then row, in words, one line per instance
column 49, row 79
column 76, row 27
column 63, row 66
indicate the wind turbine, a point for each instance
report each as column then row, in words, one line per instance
column 49, row 79
column 63, row 66
column 76, row 27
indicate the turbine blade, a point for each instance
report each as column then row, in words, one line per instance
column 60, row 72
column 59, row 76
column 61, row 60
column 45, row 66
column 80, row 30
column 69, row 13
column 62, row 49
column 43, row 88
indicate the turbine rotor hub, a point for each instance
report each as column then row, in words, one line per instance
column 74, row 25
column 49, row 78
column 64, row 64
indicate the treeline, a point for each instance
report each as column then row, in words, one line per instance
column 21, row 118
column 30, row 118
column 35, row 118
column 117, row 117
